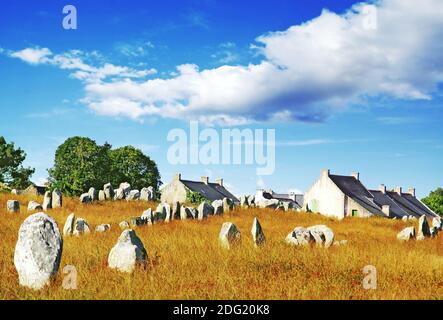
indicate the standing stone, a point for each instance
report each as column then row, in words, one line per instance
column 13, row 206
column 205, row 210
column 103, row 228
column 288, row 206
column 185, row 213
column 423, row 228
column 85, row 198
column 14, row 191
column 406, row 234
column 47, row 201
column 93, row 194
column 244, row 203
column 145, row 194
column 57, row 199
column 229, row 235
column 68, row 228
column 322, row 232
column 268, row 204
column 32, row 206
column 258, row 235
column 251, row 201
column 412, row 218
column 133, row 195
column 228, row 205
column 299, row 237
column 124, row 225
column 175, row 214
column 437, row 223
column 101, row 195
column 434, row 232
column 127, row 253
column 404, row 218
column 148, row 217
column 109, row 191
column 164, row 211
column 119, row 194
column 152, row 195
column 218, row 207
column 194, row 212
column 38, row 251
column 81, row 227
column 126, row 187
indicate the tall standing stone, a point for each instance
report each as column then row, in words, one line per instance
column 13, row 206
column 127, row 253
column 68, row 228
column 145, row 194
column 133, row 195
column 258, row 235
column 164, row 211
column 119, row 194
column 38, row 251
column 244, row 203
column 47, row 201
column 406, row 234
column 229, row 235
column 126, row 187
column 185, row 213
column 423, row 228
column 101, row 195
column 57, row 199
column 148, row 217
column 205, row 210
column 228, row 205
column 93, row 194
column 109, row 191
column 85, row 198
column 218, row 207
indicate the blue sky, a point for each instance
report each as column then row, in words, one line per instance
column 341, row 94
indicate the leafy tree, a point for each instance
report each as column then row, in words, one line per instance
column 195, row 197
column 129, row 164
column 435, row 201
column 80, row 164
column 12, row 172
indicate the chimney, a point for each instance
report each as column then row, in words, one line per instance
column 205, row 180
column 398, row 190
column 411, row 191
column 177, row 177
column 325, row 173
column 382, row 188
column 386, row 210
column 219, row 181
column 356, row 175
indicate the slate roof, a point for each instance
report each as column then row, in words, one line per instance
column 211, row 191
column 382, row 199
column 410, row 204
column 287, row 197
column 354, row 189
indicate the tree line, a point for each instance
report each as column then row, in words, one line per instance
column 80, row 163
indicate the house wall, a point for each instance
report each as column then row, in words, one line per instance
column 174, row 191
column 362, row 212
column 325, row 197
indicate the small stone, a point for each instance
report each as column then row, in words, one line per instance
column 57, row 199
column 127, row 253
column 204, row 210
column 323, row 232
column 258, row 236
column 133, row 195
column 148, row 217
column 229, row 235
column 406, row 234
column 119, row 194
column 101, row 195
column 423, row 228
column 164, row 212
column 185, row 213
column 299, row 237
column 218, row 207
column 103, row 228
column 81, row 227
column 124, row 225
column 68, row 228
column 93, row 194
column 33, row 206
column 85, row 198
column 228, row 205
column 109, row 191
column 13, row 206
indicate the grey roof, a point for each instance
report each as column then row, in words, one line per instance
column 288, row 197
column 211, row 191
column 354, row 189
column 410, row 204
column 383, row 199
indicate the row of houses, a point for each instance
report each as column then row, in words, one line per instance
column 332, row 195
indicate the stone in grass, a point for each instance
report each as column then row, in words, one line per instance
column 324, row 233
column 258, row 235
column 423, row 228
column 47, row 201
column 406, row 234
column 85, row 198
column 68, row 228
column 299, row 237
column 33, row 206
column 229, row 235
column 57, row 199
column 127, row 253
column 38, row 251
column 147, row 216
column 101, row 195
column 205, row 210
column 124, row 225
column 81, row 227
column 13, row 206
column 103, row 228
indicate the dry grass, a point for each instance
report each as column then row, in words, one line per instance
column 186, row 261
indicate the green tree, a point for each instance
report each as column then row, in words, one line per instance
column 129, row 164
column 435, row 201
column 80, row 164
column 12, row 172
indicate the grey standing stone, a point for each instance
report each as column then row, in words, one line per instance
column 434, row 232
column 93, row 194
column 228, row 205
column 13, row 206
column 101, row 195
column 109, row 191
column 299, row 237
column 268, row 204
column 68, row 228
column 218, row 207
column 133, row 195
column 145, row 194
column 185, row 213
column 164, row 211
column 81, row 227
column 175, row 214
column 437, row 223
column 244, row 201
column 406, row 234
column 119, row 194
column 258, row 235
column 38, row 251
column 127, row 253
column 404, row 218
column 148, row 217
column 57, row 199
column 33, row 206
column 85, row 198
column 103, row 228
column 126, row 187
column 47, row 201
column 229, row 235
column 423, row 228
column 205, row 210
column 251, row 201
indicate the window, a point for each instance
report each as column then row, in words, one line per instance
column 355, row 213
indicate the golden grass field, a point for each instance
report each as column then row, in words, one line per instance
column 186, row 261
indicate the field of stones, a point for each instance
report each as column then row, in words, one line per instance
column 185, row 259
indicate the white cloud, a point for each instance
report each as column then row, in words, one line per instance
column 307, row 71
column 33, row 55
